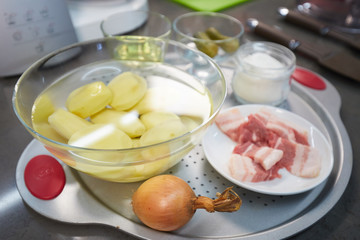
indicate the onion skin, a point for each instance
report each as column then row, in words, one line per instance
column 166, row 202
column 159, row 207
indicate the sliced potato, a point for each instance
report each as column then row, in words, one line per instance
column 146, row 104
column 160, row 133
column 89, row 99
column 151, row 119
column 152, row 168
column 190, row 122
column 127, row 89
column 101, row 136
column 46, row 130
column 163, row 132
column 136, row 142
column 125, row 121
column 66, row 123
column 43, row 107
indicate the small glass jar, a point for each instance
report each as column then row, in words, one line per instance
column 263, row 73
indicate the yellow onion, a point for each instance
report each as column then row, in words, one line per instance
column 167, row 202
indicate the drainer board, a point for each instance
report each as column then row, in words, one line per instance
column 90, row 200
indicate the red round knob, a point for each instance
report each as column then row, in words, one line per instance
column 44, row 177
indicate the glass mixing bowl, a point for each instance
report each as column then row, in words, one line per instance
column 183, row 81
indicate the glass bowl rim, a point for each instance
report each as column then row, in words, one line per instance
column 211, row 14
column 79, row 44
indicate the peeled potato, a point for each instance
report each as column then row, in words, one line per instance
column 136, row 142
column 43, row 107
column 89, row 99
column 152, row 168
column 146, row 104
column 66, row 123
column 163, row 132
column 190, row 122
column 101, row 136
column 160, row 133
column 46, row 130
column 125, row 121
column 152, row 119
column 163, row 99
column 112, row 173
column 127, row 89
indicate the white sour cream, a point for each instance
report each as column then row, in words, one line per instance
column 261, row 78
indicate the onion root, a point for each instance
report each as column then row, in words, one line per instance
column 228, row 201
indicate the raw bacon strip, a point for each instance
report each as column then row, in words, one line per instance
column 281, row 129
column 307, row 162
column 245, row 169
column 242, row 168
column 263, row 115
column 301, row 138
column 254, row 130
column 243, row 148
column 289, row 149
column 299, row 159
column 286, row 131
column 267, row 157
column 241, row 129
column 228, row 122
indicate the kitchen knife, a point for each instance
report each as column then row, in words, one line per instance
column 316, row 26
column 339, row 62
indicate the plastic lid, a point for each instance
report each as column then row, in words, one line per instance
column 309, row 79
column 44, row 177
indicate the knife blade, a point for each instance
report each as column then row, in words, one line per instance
column 340, row 62
column 316, row 26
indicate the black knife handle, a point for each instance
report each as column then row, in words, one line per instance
column 303, row 21
column 272, row 34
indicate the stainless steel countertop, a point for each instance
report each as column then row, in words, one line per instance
column 18, row 221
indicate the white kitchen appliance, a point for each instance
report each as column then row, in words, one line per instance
column 87, row 15
column 32, row 28
column 29, row 30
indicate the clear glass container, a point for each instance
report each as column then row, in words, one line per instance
column 263, row 73
column 216, row 34
column 177, row 83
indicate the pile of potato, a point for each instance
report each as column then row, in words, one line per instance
column 114, row 116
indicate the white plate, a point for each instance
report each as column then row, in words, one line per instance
column 218, row 148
